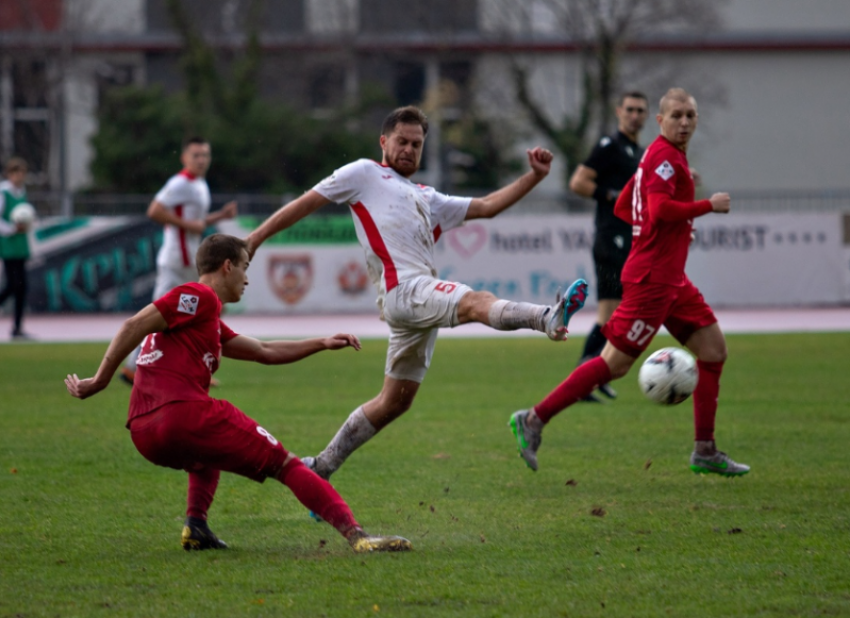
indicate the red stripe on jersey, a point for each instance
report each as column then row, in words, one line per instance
column 438, row 231
column 181, row 234
column 377, row 244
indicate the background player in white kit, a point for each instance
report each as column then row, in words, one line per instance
column 397, row 223
column 183, row 207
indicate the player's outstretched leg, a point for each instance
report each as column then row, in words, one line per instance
column 197, row 536
column 528, row 440
column 322, row 499
column 706, row 459
column 567, row 306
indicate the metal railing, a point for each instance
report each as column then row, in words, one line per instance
column 57, row 204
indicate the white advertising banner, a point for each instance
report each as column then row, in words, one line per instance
column 737, row 260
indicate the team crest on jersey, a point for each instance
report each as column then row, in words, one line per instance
column 188, row 304
column 353, row 278
column 665, row 170
column 290, row 276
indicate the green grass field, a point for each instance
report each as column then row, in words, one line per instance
column 89, row 528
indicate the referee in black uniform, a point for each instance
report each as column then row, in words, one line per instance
column 608, row 168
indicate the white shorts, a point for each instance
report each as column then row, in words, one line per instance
column 415, row 310
column 169, row 278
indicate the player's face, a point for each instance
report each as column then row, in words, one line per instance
column 196, row 158
column 403, row 148
column 238, row 278
column 17, row 178
column 678, row 121
column 631, row 116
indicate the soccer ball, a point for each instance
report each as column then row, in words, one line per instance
column 668, row 376
column 23, row 214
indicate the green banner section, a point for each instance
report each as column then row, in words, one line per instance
column 313, row 230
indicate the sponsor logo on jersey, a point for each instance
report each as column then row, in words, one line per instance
column 604, row 141
column 353, row 278
column 665, row 170
column 290, row 276
column 150, row 358
column 188, row 304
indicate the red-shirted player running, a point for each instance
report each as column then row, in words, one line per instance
column 659, row 203
column 175, row 423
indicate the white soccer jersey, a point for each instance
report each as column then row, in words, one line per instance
column 189, row 197
column 397, row 221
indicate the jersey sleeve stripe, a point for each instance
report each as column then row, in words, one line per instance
column 377, row 244
column 181, row 234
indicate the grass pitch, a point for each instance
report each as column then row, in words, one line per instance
column 613, row 524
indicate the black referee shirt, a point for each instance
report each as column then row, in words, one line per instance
column 615, row 159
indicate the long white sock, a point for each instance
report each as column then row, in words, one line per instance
column 354, row 433
column 510, row 315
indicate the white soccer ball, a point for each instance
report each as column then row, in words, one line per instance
column 23, row 214
column 668, row 376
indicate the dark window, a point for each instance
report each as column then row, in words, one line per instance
column 29, row 83
column 32, row 142
column 230, row 16
column 409, row 83
column 112, row 76
column 426, row 16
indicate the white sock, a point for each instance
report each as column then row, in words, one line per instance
column 354, row 433
column 510, row 315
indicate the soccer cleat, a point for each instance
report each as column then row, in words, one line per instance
column 363, row 543
column 198, row 537
column 527, row 440
column 576, row 296
column 718, row 463
column 607, row 390
column 590, row 398
column 127, row 376
column 565, row 307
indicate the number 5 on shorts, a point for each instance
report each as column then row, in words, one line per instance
column 445, row 286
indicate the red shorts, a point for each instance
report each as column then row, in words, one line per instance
column 191, row 435
column 647, row 306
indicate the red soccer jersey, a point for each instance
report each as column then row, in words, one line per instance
column 177, row 364
column 659, row 248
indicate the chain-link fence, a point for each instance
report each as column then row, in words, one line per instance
column 57, row 204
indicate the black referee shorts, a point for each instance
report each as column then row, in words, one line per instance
column 609, row 256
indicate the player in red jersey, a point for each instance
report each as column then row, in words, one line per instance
column 659, row 203
column 175, row 423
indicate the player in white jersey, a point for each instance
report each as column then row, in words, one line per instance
column 398, row 222
column 183, row 207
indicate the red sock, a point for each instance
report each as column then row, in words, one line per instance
column 318, row 495
column 578, row 385
column 705, row 399
column 202, row 486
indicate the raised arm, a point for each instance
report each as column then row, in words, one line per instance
column 286, row 216
column 540, row 161
column 130, row 335
column 282, row 352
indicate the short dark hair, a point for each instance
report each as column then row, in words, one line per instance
column 632, row 94
column 216, row 249
column 195, row 139
column 15, row 164
column 409, row 114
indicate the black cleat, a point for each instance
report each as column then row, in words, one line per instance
column 608, row 390
column 591, row 398
column 198, row 536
